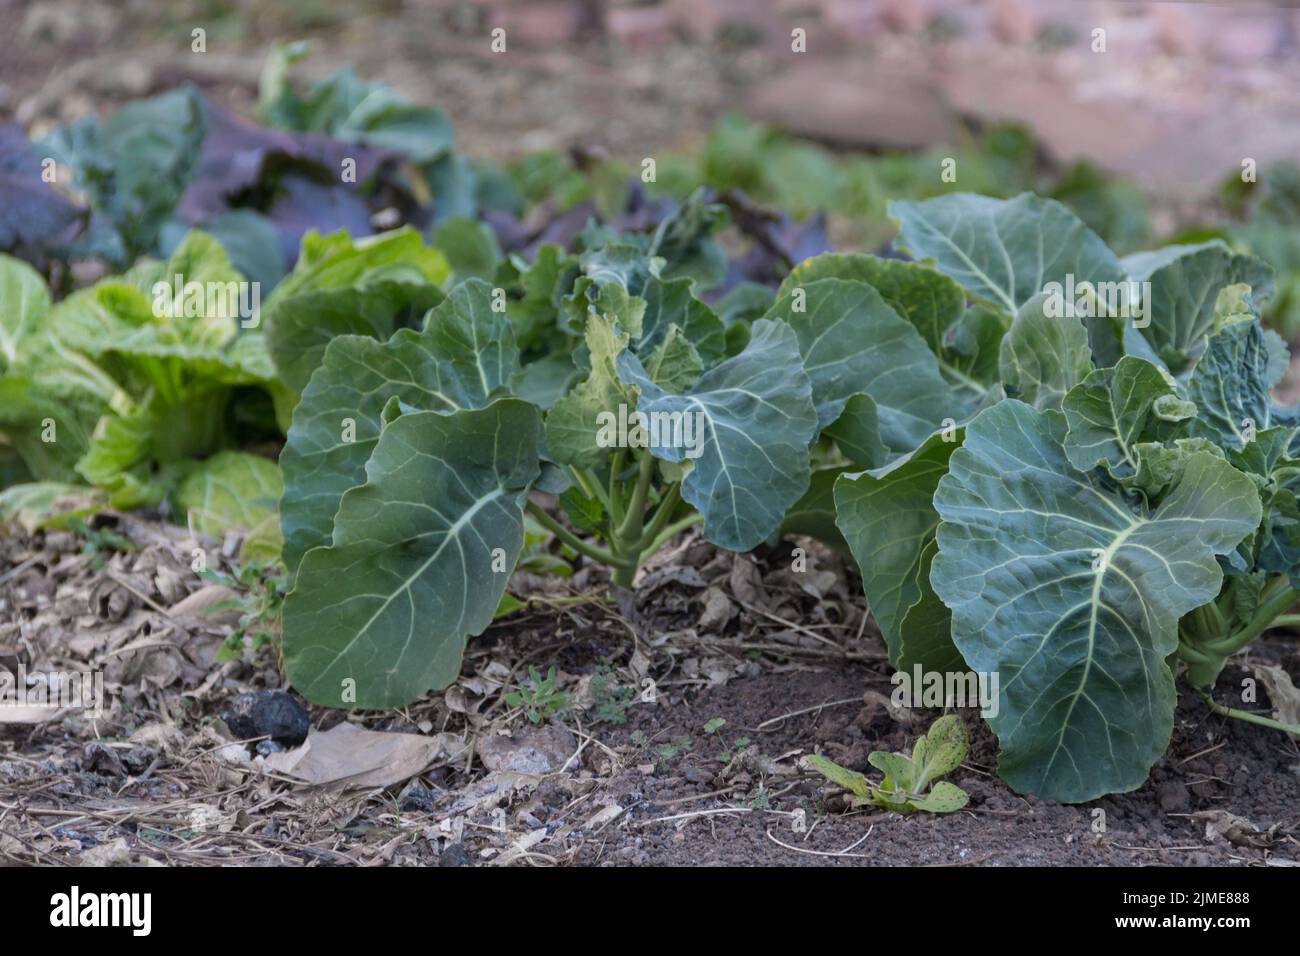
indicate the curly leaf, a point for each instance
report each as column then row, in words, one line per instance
column 1185, row 285
column 1230, row 386
column 1114, row 410
column 751, row 460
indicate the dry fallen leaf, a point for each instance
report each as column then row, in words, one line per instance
column 1282, row 692
column 359, row 758
column 1220, row 824
column 205, row 605
column 29, row 715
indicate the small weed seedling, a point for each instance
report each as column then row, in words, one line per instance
column 542, row 699
column 611, row 700
column 911, row 781
column 726, row 753
column 259, row 592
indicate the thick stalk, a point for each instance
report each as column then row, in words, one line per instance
column 662, row 513
column 614, row 498
column 588, row 485
column 629, row 531
column 1278, row 597
column 572, row 540
column 1286, row 620
column 1205, row 646
column 672, row 531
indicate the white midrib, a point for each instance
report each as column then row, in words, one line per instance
column 1094, row 603
column 453, row 532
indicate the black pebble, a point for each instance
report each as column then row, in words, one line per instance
column 264, row 713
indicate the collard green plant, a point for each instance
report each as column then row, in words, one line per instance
column 658, row 428
column 1127, row 507
column 911, row 781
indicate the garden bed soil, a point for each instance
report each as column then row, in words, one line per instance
column 790, row 665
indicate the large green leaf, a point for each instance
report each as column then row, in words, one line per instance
column 932, row 302
column 1185, row 285
column 756, row 419
column 419, row 561
column 337, row 261
column 1072, row 596
column 853, row 343
column 1004, row 250
column 464, row 354
column 1230, row 386
column 339, row 286
column 888, row 518
column 1043, row 356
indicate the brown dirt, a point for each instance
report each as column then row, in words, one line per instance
column 1212, row 765
column 156, row 779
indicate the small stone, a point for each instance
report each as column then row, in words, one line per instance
column 416, row 797
column 532, row 750
column 455, row 855
column 274, row 713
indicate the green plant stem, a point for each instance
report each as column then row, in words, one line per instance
column 961, row 378
column 1286, row 620
column 672, row 531
column 1248, row 717
column 1278, row 597
column 667, row 505
column 629, row 530
column 614, row 502
column 589, row 486
column 572, row 540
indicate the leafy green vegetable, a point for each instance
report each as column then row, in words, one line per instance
column 234, row 490
column 911, row 780
column 464, row 354
column 1073, row 596
column 419, row 559
column 371, row 286
column 1103, row 522
column 136, row 166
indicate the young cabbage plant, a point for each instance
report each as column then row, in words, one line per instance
column 911, row 782
column 412, row 462
column 1129, row 505
column 409, row 466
